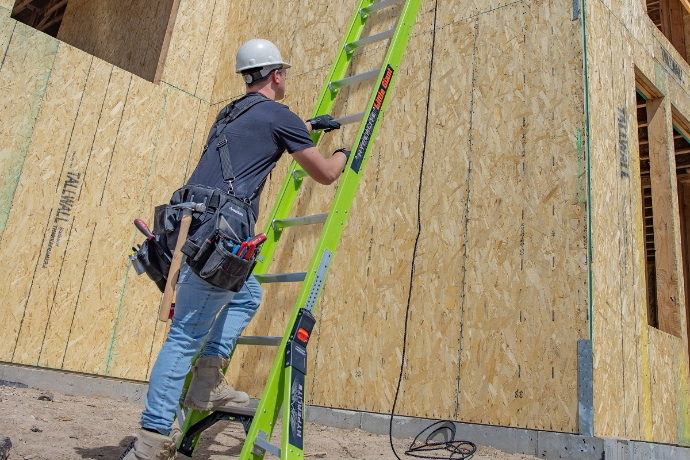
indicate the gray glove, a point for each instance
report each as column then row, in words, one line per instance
column 324, row 122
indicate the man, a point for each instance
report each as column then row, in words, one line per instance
column 256, row 141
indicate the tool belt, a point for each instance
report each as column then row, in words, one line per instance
column 227, row 221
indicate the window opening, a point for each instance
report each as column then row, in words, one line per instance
column 672, row 18
column 647, row 212
column 131, row 34
column 43, row 15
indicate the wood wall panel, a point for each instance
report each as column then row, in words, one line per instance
column 186, row 55
column 71, row 158
column 137, row 318
column 96, row 147
column 28, row 232
column 640, row 389
column 606, row 335
column 26, row 65
column 91, row 336
column 437, row 289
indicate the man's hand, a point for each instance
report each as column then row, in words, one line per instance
column 323, row 122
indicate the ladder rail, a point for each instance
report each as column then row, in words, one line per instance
column 288, row 192
column 333, row 227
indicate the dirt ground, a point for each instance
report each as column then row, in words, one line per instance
column 71, row 427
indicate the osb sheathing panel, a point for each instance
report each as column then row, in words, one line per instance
column 379, row 245
column 608, row 358
column 102, row 291
column 73, row 120
column 195, row 47
column 662, row 374
column 137, row 313
column 129, row 34
column 628, row 361
column 33, row 214
column 93, row 148
column 27, row 60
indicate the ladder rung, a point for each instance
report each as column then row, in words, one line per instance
column 261, row 441
column 356, row 118
column 298, row 174
column 257, row 340
column 281, row 277
column 279, row 224
column 236, row 410
column 369, row 40
column 377, row 6
column 354, row 79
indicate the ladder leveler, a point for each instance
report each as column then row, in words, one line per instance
column 285, row 385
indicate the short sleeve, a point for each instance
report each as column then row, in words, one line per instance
column 291, row 132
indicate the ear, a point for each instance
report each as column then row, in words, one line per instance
column 274, row 77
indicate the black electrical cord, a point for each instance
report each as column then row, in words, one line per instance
column 459, row 450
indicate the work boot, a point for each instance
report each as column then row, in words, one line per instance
column 206, row 390
column 153, row 446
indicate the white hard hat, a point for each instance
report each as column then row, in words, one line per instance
column 260, row 55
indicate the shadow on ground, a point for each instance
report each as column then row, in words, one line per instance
column 221, row 440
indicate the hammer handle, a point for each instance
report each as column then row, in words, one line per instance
column 174, row 272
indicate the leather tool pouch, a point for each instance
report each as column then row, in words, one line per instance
column 155, row 258
column 227, row 221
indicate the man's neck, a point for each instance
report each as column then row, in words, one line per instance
column 266, row 91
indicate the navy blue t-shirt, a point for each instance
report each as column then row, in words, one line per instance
column 256, row 141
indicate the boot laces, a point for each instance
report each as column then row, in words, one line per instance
column 168, row 451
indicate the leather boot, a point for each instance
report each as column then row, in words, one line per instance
column 150, row 446
column 206, row 390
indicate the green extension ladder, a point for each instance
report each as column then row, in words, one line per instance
column 285, row 385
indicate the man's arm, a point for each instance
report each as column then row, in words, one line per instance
column 323, row 170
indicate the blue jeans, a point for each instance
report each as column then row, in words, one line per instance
column 202, row 311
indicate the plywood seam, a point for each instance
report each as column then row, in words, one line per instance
column 76, row 302
column 294, row 34
column 191, row 143
column 141, row 205
column 208, row 33
column 467, row 213
column 95, row 133
column 9, row 42
column 117, row 135
column 31, row 284
column 76, row 116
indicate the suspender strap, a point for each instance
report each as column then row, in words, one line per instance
column 224, row 118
